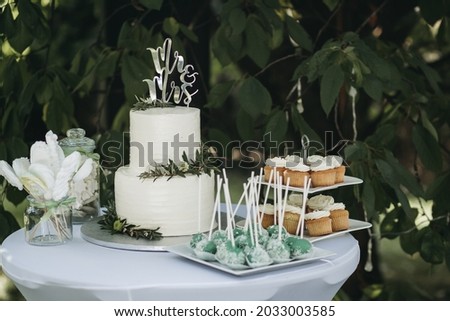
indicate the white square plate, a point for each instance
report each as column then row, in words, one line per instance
column 185, row 251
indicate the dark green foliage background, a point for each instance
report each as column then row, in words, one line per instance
column 81, row 63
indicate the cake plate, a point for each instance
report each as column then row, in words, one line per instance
column 93, row 233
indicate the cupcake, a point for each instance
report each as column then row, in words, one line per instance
column 318, row 223
column 291, row 218
column 295, row 199
column 336, row 162
column 267, row 217
column 296, row 171
column 339, row 217
column 319, row 202
column 321, row 173
column 277, row 163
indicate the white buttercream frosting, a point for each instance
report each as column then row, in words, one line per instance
column 298, row 166
column 319, row 202
column 333, row 160
column 320, row 166
column 295, row 199
column 276, row 162
column 269, row 209
column 293, row 209
column 315, row 159
column 180, row 206
column 154, row 130
column 316, row 215
column 335, row 206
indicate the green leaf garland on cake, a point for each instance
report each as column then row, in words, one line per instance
column 112, row 222
column 203, row 164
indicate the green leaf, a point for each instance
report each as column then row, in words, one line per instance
column 237, row 20
column 25, row 103
column 355, row 152
column 219, row 94
column 33, row 19
column 427, row 147
column 217, row 135
column 432, row 247
column 152, row 4
column 299, row 34
column 133, row 72
column 330, row 86
column 277, row 126
column 188, row 33
column 8, row 224
column 410, row 242
column 254, row 98
column 389, row 227
column 171, row 26
column 257, row 42
column 44, row 91
column 426, row 123
column 302, row 125
column 244, row 125
column 107, row 65
column 19, row 37
column 373, row 87
column 17, row 148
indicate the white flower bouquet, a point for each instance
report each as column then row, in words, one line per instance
column 52, row 180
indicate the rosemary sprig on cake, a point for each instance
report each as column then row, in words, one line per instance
column 146, row 103
column 203, row 164
column 112, row 222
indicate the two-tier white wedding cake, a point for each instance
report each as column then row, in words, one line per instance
column 175, row 204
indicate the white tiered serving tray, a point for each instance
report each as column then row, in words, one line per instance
column 348, row 180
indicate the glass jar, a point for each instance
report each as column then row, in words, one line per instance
column 88, row 207
column 48, row 222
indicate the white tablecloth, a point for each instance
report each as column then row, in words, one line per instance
column 80, row 270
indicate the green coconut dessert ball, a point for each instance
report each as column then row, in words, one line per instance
column 230, row 255
column 263, row 237
column 257, row 257
column 278, row 250
column 243, row 241
column 195, row 239
column 219, row 237
column 298, row 247
column 206, row 246
column 237, row 231
column 274, row 230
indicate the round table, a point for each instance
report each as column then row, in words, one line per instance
column 80, row 270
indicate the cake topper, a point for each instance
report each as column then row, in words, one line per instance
column 169, row 90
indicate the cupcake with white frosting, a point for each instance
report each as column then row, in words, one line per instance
column 319, row 202
column 339, row 216
column 267, row 217
column 295, row 199
column 318, row 223
column 296, row 171
column 322, row 174
column 336, row 162
column 291, row 218
column 278, row 163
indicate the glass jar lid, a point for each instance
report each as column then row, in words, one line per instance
column 76, row 140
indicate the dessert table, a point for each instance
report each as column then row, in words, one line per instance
column 80, row 270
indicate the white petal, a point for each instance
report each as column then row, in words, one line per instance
column 45, row 175
column 21, row 166
column 39, row 153
column 35, row 186
column 68, row 168
column 84, row 171
column 56, row 153
column 7, row 171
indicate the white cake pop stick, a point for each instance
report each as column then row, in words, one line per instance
column 216, row 205
column 285, row 200
column 302, row 212
column 240, row 201
column 267, row 195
